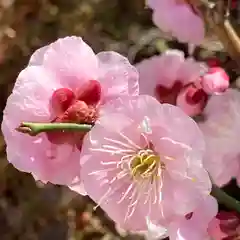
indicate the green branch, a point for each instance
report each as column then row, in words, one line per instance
column 225, row 199
column 34, row 129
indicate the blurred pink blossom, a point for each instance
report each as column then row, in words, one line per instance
column 215, row 81
column 179, row 19
column 221, row 130
column 173, row 79
column 63, row 82
column 139, row 162
column 226, row 226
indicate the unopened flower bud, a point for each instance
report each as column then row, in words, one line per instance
column 215, row 81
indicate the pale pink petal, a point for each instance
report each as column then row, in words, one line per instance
column 149, row 75
column 36, row 85
column 160, row 70
column 117, row 76
column 162, row 22
column 170, row 64
column 204, row 213
column 186, row 25
column 155, row 232
column 38, row 56
column 178, row 19
column 227, row 165
column 174, row 116
column 72, row 60
column 191, row 70
column 195, row 227
column 221, row 131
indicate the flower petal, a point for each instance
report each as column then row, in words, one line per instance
column 117, row 75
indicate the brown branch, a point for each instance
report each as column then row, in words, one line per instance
column 229, row 38
column 214, row 15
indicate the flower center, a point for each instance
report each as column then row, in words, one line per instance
column 195, row 95
column 168, row 95
column 145, row 164
column 74, row 107
column 136, row 171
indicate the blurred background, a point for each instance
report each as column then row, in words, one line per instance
column 29, row 210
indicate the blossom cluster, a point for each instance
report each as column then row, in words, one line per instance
column 144, row 160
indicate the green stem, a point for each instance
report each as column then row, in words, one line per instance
column 34, row 129
column 225, row 199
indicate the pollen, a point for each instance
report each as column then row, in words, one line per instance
column 145, row 164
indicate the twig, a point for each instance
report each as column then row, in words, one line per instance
column 225, row 199
column 215, row 16
column 34, row 129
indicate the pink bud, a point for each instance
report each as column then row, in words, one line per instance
column 90, row 92
column 62, row 99
column 215, row 81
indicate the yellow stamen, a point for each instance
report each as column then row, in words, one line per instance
column 145, row 164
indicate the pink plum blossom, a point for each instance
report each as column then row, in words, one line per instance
column 226, row 226
column 63, row 82
column 173, row 79
column 179, row 19
column 139, row 162
column 221, row 130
